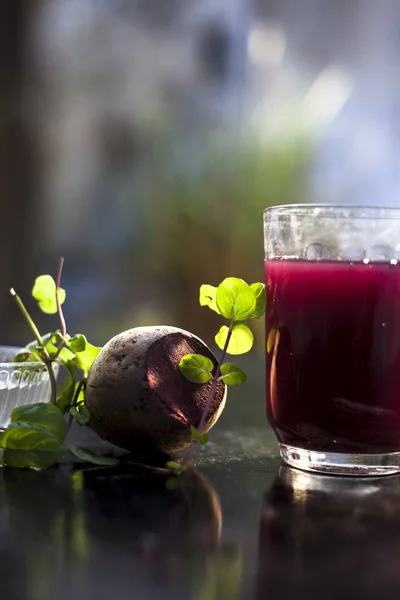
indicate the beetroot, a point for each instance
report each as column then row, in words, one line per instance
column 137, row 396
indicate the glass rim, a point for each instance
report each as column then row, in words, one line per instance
column 374, row 210
column 17, row 365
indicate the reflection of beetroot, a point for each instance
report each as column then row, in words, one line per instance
column 157, row 536
column 184, row 519
column 137, row 395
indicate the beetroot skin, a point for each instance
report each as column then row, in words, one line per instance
column 137, row 395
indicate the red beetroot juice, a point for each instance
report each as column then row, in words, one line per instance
column 333, row 354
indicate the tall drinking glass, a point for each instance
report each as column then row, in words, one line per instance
column 333, row 336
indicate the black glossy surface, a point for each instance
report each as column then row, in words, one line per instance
column 239, row 527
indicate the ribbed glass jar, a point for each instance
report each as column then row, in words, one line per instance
column 20, row 383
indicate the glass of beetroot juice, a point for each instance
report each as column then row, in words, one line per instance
column 333, row 337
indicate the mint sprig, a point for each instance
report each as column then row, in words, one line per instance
column 37, row 432
column 237, row 301
column 34, row 437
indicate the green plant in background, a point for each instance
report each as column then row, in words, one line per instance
column 36, row 434
column 218, row 212
column 236, row 301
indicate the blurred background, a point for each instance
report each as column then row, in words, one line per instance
column 141, row 140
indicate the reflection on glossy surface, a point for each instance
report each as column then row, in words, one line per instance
column 93, row 534
column 329, row 537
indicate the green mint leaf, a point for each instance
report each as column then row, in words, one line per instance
column 36, row 443
column 78, row 343
column 203, row 439
column 44, row 292
column 52, row 341
column 24, row 436
column 47, row 338
column 271, row 340
column 39, row 353
column 231, row 374
column 195, row 433
column 235, row 299
column 38, row 459
column 240, row 342
column 52, row 347
column 37, row 349
column 66, row 355
column 80, row 413
column 66, row 391
column 26, row 357
column 35, row 344
column 74, row 412
column 43, row 415
column 174, row 466
column 56, row 337
column 198, row 438
column 196, row 368
column 85, row 353
column 90, row 457
column 207, row 297
column 261, row 300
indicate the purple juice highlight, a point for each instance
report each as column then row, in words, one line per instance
column 333, row 354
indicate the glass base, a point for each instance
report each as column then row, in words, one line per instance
column 335, row 463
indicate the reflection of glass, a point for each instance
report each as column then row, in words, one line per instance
column 20, row 383
column 333, row 336
column 329, row 537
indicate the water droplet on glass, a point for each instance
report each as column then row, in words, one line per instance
column 393, row 261
column 383, row 324
column 366, row 261
column 380, row 252
column 318, row 252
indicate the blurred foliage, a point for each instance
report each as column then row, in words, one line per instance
column 202, row 229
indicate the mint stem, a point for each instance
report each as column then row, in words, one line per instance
column 53, row 383
column 74, row 401
column 29, row 320
column 190, row 451
column 215, row 380
column 59, row 309
column 160, row 470
column 47, row 359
